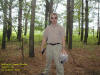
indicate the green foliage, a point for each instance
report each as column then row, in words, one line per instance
column 38, row 38
column 91, row 44
column 13, row 36
column 38, row 26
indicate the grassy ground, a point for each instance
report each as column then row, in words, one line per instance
column 83, row 59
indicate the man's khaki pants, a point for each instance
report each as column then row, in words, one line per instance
column 52, row 53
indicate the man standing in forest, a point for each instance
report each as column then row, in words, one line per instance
column 54, row 36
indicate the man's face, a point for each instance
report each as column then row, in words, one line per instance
column 53, row 19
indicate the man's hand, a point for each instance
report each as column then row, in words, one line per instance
column 63, row 51
column 43, row 50
column 42, row 45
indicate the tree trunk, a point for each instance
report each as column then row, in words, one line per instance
column 50, row 9
column 46, row 12
column 68, row 20
column 25, row 26
column 99, row 37
column 71, row 24
column 82, row 22
column 25, row 19
column 31, row 37
column 4, row 7
column 26, row 22
column 97, row 32
column 98, row 23
column 98, row 26
column 20, row 20
column 9, row 31
column 86, row 23
column 72, row 9
column 79, row 19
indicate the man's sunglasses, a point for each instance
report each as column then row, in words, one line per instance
column 53, row 17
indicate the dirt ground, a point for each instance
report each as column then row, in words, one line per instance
column 81, row 62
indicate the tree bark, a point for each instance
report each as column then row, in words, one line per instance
column 68, row 20
column 79, row 19
column 9, row 31
column 31, row 37
column 71, row 24
column 4, row 7
column 86, row 23
column 26, row 22
column 20, row 20
column 98, row 23
column 50, row 9
column 98, row 26
column 99, row 37
column 46, row 12
column 97, row 32
column 25, row 26
column 82, row 22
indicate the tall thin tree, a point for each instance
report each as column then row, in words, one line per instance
column 86, row 23
column 68, row 20
column 71, row 24
column 20, row 20
column 26, row 22
column 98, row 21
column 79, row 19
column 50, row 8
column 98, row 26
column 31, row 37
column 46, row 12
column 26, row 15
column 9, row 30
column 82, row 22
column 4, row 8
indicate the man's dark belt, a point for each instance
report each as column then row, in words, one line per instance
column 53, row 43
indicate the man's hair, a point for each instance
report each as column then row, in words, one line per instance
column 53, row 14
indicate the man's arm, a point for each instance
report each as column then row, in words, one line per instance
column 43, row 43
column 63, row 45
